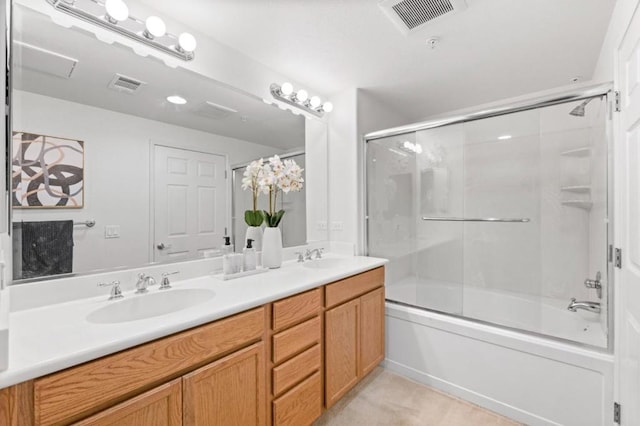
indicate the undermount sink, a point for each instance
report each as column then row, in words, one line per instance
column 326, row 263
column 137, row 307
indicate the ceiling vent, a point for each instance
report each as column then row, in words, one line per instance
column 44, row 61
column 411, row 15
column 214, row 111
column 125, row 84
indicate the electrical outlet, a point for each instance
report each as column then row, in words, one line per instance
column 337, row 226
column 112, row 231
column 322, row 225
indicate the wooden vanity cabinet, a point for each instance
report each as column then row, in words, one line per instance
column 279, row 364
column 296, row 365
column 354, row 331
column 161, row 406
column 230, row 391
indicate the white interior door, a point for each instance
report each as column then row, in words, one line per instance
column 628, row 226
column 190, row 211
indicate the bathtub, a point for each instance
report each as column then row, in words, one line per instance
column 530, row 378
column 542, row 315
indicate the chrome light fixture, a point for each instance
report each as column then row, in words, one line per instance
column 300, row 99
column 114, row 15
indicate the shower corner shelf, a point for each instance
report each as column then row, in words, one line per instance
column 580, row 189
column 581, row 204
column 578, row 152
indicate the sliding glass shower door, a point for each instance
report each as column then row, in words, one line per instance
column 500, row 220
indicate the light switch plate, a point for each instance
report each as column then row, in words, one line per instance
column 112, row 231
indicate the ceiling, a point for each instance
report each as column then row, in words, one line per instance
column 98, row 63
column 492, row 50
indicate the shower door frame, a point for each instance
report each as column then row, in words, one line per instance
column 556, row 98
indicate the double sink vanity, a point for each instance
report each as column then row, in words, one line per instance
column 276, row 348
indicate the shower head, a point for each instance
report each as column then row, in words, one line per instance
column 579, row 110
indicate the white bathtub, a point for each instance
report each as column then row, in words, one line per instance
column 532, row 379
column 542, row 315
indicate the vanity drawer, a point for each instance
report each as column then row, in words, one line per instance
column 301, row 405
column 95, row 385
column 294, row 309
column 296, row 339
column 352, row 287
column 296, row 369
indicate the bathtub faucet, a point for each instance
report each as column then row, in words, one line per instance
column 587, row 306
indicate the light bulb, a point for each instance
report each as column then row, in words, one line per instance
column 327, row 107
column 117, row 10
column 315, row 102
column 175, row 99
column 302, row 95
column 187, row 42
column 418, row 148
column 155, row 27
column 286, row 89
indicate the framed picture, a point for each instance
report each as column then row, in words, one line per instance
column 47, row 172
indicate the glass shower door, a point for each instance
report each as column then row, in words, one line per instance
column 410, row 176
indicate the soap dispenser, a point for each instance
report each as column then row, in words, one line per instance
column 249, row 256
column 227, row 248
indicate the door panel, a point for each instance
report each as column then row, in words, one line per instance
column 628, row 225
column 190, row 212
column 161, row 406
column 371, row 330
column 341, row 346
column 227, row 392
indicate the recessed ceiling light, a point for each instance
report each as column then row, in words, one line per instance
column 504, row 137
column 175, row 99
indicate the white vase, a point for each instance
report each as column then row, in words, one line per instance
column 255, row 233
column 272, row 248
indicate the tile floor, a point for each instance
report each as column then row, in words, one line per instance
column 385, row 398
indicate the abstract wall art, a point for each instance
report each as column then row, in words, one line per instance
column 47, row 172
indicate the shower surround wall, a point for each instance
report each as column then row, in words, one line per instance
column 543, row 165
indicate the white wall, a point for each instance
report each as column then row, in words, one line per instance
column 356, row 112
column 117, row 172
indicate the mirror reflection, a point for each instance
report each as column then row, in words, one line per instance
column 120, row 160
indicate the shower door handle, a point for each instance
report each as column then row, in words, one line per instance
column 476, row 219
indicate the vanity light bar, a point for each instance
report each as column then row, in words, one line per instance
column 181, row 47
column 300, row 99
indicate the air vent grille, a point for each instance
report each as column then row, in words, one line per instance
column 126, row 84
column 411, row 15
column 416, row 12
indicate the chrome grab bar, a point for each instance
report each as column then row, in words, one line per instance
column 476, row 219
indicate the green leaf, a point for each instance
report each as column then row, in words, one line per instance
column 278, row 217
column 253, row 217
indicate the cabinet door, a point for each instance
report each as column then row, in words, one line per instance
column 161, row 406
column 341, row 346
column 230, row 391
column 371, row 330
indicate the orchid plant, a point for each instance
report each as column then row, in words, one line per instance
column 251, row 180
column 270, row 178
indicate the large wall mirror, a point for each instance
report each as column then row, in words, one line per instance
column 107, row 173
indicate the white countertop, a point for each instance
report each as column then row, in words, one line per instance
column 50, row 338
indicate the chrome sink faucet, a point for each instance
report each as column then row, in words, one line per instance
column 144, row 281
column 116, row 292
column 317, row 251
column 585, row 305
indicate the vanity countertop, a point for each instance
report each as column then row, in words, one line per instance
column 51, row 338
